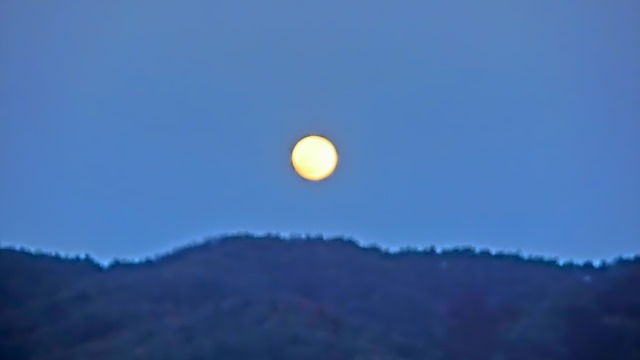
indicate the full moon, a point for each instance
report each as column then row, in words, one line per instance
column 314, row 158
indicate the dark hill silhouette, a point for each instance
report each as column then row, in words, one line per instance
column 246, row 297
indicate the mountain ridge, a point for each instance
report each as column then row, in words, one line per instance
column 313, row 298
column 296, row 237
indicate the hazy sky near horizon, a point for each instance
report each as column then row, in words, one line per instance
column 127, row 128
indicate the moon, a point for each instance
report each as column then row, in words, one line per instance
column 314, row 158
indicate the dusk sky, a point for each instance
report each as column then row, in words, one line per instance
column 130, row 127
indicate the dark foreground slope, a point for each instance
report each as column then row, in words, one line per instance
column 265, row 298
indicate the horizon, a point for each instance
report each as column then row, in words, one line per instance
column 292, row 237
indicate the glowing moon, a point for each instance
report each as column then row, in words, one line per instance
column 314, row 158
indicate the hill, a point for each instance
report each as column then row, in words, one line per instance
column 246, row 297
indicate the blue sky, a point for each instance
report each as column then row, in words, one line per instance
column 128, row 128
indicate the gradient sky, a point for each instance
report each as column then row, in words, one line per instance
column 131, row 127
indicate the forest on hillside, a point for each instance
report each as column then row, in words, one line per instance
column 246, row 297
